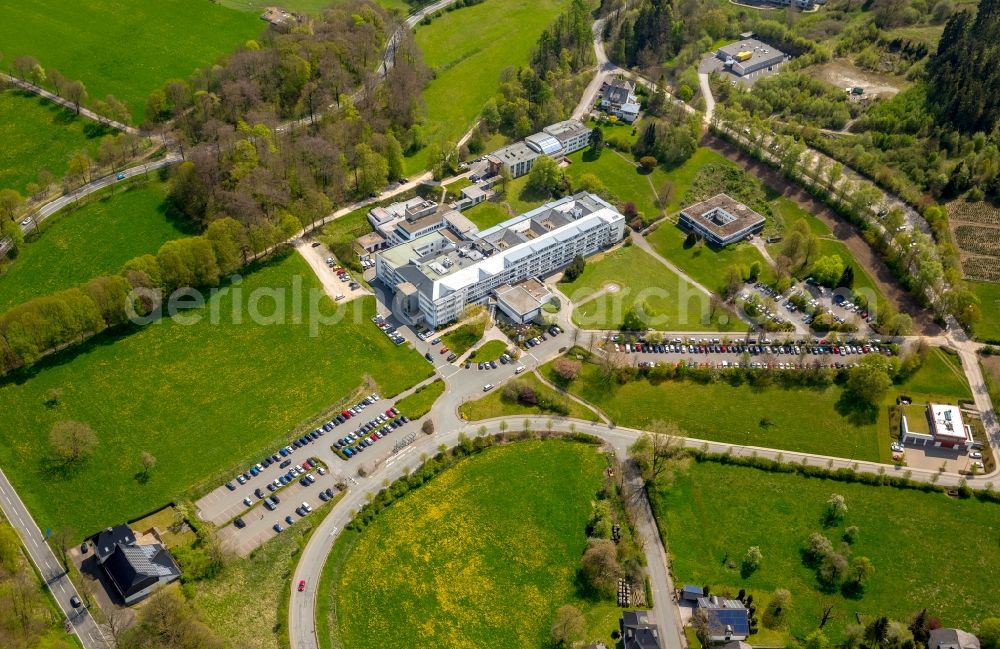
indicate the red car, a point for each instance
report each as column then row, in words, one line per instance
column 302, row 585
column 444, row 350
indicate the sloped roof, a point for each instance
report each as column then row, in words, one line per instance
column 952, row 639
column 110, row 537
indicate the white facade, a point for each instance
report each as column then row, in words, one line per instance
column 556, row 140
column 534, row 244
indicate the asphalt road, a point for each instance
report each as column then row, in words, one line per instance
column 53, row 206
column 49, row 567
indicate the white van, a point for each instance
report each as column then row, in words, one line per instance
column 520, row 369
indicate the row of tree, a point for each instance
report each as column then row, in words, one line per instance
column 27, row 68
column 40, row 326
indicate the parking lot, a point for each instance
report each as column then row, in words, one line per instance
column 805, row 300
column 712, row 352
column 228, row 502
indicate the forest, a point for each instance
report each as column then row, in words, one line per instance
column 247, row 185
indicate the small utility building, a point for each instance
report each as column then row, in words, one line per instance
column 721, row 220
column 749, row 55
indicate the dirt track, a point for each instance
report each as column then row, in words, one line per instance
column 923, row 322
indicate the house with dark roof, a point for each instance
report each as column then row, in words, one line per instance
column 618, row 98
column 727, row 619
column 638, row 633
column 135, row 569
column 952, row 639
column 691, row 593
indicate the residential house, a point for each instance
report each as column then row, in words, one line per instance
column 638, row 633
column 727, row 619
column 618, row 98
column 135, row 565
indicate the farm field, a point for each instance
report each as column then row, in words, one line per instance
column 495, row 404
column 201, row 398
column 153, row 41
column 712, row 511
column 419, row 403
column 38, row 135
column 703, row 263
column 468, row 49
column 490, row 546
column 639, row 281
column 794, row 419
column 96, row 239
column 988, row 328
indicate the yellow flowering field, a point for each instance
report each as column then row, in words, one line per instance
column 481, row 556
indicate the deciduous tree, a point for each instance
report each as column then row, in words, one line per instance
column 72, row 441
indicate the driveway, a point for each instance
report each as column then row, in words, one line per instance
column 337, row 289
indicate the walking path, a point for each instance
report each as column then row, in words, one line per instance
column 54, row 98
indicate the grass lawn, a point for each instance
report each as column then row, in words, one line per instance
column 468, row 49
column 487, row 214
column 38, row 135
column 96, row 239
column 683, row 175
column 460, row 339
column 495, row 405
column 247, row 603
column 481, row 556
column 788, row 212
column 703, row 263
column 622, row 178
column 490, row 351
column 125, row 48
column 200, row 398
column 940, row 378
column 419, row 403
column 799, row 419
column 988, row 328
column 309, row 6
column 714, row 511
column 645, row 284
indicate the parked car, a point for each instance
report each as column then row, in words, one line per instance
column 239, row 523
column 277, row 527
column 230, row 486
column 247, row 501
column 289, row 520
